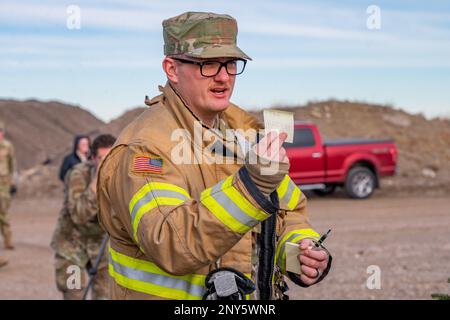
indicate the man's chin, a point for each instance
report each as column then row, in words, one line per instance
column 222, row 109
column 219, row 107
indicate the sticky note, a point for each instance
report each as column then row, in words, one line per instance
column 280, row 121
column 292, row 263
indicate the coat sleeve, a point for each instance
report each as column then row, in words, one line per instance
column 295, row 225
column 63, row 169
column 81, row 199
column 176, row 230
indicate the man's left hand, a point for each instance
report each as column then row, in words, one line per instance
column 313, row 261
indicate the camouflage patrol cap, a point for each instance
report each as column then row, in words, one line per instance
column 202, row 35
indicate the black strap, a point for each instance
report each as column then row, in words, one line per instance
column 267, row 252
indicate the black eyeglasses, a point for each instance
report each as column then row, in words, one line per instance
column 212, row 68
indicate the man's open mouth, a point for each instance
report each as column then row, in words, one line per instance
column 219, row 90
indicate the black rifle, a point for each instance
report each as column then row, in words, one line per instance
column 94, row 269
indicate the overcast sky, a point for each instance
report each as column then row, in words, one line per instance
column 302, row 51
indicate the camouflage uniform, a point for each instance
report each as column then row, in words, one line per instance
column 78, row 236
column 7, row 169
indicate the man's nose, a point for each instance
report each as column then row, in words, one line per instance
column 223, row 75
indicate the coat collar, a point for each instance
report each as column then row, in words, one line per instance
column 232, row 118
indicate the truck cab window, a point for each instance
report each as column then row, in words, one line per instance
column 303, row 137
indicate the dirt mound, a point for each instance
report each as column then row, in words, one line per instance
column 43, row 131
column 117, row 125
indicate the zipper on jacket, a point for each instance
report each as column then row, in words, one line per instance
column 266, row 258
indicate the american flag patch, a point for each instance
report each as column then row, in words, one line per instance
column 147, row 164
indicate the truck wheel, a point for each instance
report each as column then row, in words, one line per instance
column 329, row 189
column 360, row 183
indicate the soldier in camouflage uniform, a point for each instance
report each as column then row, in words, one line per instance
column 78, row 235
column 7, row 170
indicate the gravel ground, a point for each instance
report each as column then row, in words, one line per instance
column 407, row 237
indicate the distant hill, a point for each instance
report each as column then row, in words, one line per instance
column 45, row 130
column 115, row 126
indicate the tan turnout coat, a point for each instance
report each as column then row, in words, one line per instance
column 171, row 223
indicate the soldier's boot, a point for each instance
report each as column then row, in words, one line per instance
column 7, row 234
column 3, row 262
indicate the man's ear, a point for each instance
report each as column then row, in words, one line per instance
column 170, row 68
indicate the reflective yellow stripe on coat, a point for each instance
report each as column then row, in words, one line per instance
column 293, row 236
column 288, row 193
column 150, row 196
column 231, row 207
column 146, row 277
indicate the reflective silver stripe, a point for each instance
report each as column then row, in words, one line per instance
column 149, row 196
column 157, row 279
column 283, row 248
column 225, row 202
column 289, row 191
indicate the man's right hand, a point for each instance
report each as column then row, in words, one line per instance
column 271, row 147
column 267, row 162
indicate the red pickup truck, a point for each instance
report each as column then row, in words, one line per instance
column 355, row 164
